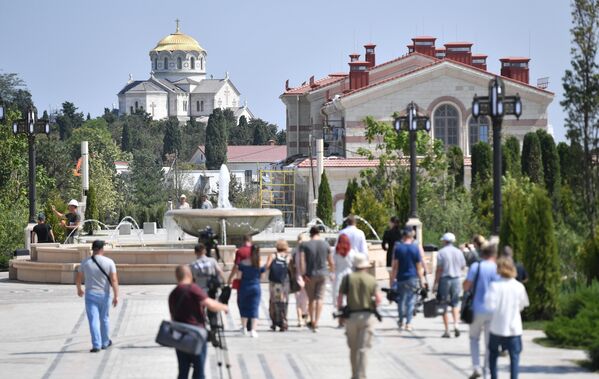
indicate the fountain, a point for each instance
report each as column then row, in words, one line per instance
column 230, row 223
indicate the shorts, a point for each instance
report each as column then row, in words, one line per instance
column 449, row 292
column 315, row 287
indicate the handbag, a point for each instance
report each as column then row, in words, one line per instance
column 467, row 311
column 294, row 284
column 430, row 308
column 187, row 338
column 236, row 284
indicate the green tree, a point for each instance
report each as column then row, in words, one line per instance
column 511, row 163
column 281, row 137
column 68, row 120
column 195, row 135
column 241, row 134
column 216, row 140
column 455, row 165
column 324, row 209
column 263, row 131
column 482, row 163
column 171, row 143
column 532, row 164
column 350, row 196
column 581, row 100
column 540, row 257
column 91, row 211
column 368, row 206
column 513, row 221
column 590, row 257
column 551, row 165
column 147, row 180
column 126, row 138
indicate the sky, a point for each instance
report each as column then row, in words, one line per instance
column 84, row 51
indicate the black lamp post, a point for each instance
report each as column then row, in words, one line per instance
column 30, row 126
column 412, row 122
column 496, row 105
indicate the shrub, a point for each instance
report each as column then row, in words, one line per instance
column 455, row 165
column 324, row 209
column 532, row 164
column 482, row 163
column 372, row 209
column 91, row 211
column 590, row 257
column 350, row 196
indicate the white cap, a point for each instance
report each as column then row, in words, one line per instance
column 74, row 203
column 448, row 237
column 182, row 196
column 361, row 262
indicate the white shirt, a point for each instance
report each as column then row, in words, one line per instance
column 357, row 239
column 184, row 205
column 506, row 298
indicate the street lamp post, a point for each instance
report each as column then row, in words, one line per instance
column 496, row 105
column 30, row 126
column 412, row 122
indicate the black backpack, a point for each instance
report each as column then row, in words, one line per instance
column 279, row 271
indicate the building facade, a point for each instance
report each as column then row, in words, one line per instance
column 441, row 81
column 178, row 86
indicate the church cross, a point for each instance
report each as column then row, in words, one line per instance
column 177, row 21
column 227, row 96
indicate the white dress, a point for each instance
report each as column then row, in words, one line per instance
column 343, row 266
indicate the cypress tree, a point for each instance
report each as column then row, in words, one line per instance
column 324, row 209
column 91, row 211
column 550, row 159
column 216, row 140
column 540, row 257
column 350, row 196
column 455, row 165
column 482, row 163
column 513, row 221
column 532, row 164
column 511, row 157
column 171, row 143
column 126, row 138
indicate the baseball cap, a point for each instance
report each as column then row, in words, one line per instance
column 74, row 203
column 448, row 237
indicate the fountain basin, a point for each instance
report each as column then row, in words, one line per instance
column 238, row 222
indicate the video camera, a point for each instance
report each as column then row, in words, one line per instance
column 344, row 313
column 210, row 240
column 391, row 294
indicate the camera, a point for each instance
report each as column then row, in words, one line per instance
column 210, row 240
column 391, row 294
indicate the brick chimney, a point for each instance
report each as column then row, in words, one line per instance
column 440, row 52
column 370, row 56
column 515, row 68
column 358, row 72
column 459, row 51
column 479, row 61
column 424, row 45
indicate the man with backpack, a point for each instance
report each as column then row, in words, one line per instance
column 278, row 278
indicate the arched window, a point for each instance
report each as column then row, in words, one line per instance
column 165, row 63
column 197, row 106
column 136, row 106
column 193, row 63
column 202, row 106
column 201, row 63
column 446, row 120
column 155, row 63
column 478, row 130
column 179, row 63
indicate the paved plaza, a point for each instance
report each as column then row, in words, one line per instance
column 44, row 334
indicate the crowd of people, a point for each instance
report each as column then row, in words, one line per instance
column 493, row 281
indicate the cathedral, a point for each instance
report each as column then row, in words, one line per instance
column 178, row 86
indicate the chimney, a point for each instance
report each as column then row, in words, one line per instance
column 354, row 57
column 410, row 49
column 370, row 56
column 515, row 68
column 424, row 45
column 312, row 82
column 459, row 52
column 358, row 72
column 479, row 61
column 440, row 52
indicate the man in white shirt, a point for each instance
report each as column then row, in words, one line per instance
column 183, row 204
column 357, row 238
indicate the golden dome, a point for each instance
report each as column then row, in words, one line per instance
column 178, row 41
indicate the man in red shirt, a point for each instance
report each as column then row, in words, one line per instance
column 186, row 303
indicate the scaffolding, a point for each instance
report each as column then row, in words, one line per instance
column 277, row 190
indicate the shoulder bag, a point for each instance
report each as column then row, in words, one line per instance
column 187, row 338
column 467, row 311
column 101, row 269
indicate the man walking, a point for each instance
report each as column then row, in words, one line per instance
column 315, row 258
column 99, row 274
column 407, row 273
column 450, row 263
column 362, row 297
column 357, row 238
column 479, row 279
column 207, row 273
column 186, row 304
column 42, row 230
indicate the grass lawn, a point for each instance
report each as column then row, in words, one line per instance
column 534, row 325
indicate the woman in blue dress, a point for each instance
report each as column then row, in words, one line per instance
column 249, row 292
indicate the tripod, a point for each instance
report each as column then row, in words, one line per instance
column 220, row 344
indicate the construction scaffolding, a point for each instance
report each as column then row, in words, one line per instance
column 277, row 190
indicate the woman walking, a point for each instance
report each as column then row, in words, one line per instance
column 278, row 278
column 301, row 297
column 249, row 292
column 390, row 237
column 343, row 261
column 506, row 298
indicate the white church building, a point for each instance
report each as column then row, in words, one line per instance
column 178, row 86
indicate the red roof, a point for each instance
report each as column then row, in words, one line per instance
column 254, row 153
column 458, row 44
column 515, row 59
column 340, row 162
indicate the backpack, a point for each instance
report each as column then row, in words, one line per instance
column 278, row 270
column 204, row 273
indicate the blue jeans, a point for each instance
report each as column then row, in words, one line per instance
column 97, row 305
column 405, row 299
column 513, row 345
column 187, row 360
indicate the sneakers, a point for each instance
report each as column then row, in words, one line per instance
column 107, row 346
column 476, row 374
column 408, row 327
column 94, row 350
column 254, row 334
column 244, row 331
column 400, row 325
column 446, row 335
column 456, row 332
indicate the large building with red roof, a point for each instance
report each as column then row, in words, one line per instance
column 440, row 80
